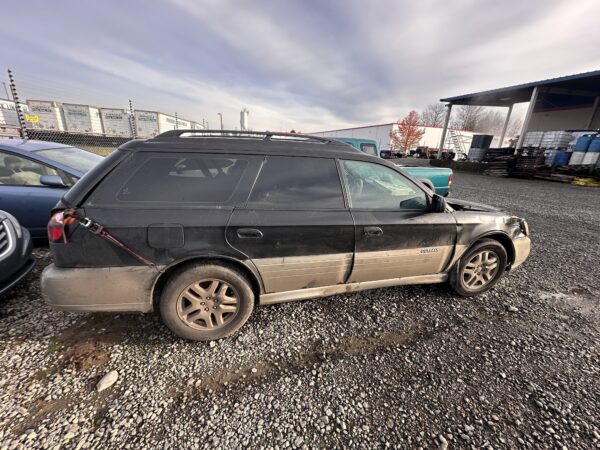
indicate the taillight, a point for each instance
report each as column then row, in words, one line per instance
column 56, row 227
column 450, row 180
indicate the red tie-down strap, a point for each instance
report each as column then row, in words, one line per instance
column 97, row 229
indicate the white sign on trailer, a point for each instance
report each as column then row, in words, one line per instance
column 82, row 119
column 165, row 122
column 146, row 124
column 49, row 115
column 116, row 122
column 8, row 112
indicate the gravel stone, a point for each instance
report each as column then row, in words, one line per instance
column 107, row 380
column 402, row 367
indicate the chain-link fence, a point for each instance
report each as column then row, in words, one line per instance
column 38, row 108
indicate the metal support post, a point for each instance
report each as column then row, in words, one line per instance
column 444, row 130
column 593, row 114
column 532, row 101
column 505, row 127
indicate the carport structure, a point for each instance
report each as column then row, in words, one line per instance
column 569, row 102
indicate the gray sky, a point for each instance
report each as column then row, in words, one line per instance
column 308, row 65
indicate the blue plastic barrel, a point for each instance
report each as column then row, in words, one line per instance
column 594, row 146
column 583, row 143
column 561, row 159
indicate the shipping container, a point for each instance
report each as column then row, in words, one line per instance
column 45, row 115
column 116, row 122
column 82, row 119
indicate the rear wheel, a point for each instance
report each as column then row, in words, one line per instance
column 479, row 269
column 206, row 301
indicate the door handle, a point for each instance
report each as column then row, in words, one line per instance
column 249, row 233
column 373, row 231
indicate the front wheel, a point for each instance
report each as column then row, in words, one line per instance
column 206, row 301
column 479, row 269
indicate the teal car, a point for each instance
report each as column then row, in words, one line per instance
column 438, row 179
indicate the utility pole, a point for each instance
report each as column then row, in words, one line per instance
column 221, row 117
column 6, row 90
column 13, row 89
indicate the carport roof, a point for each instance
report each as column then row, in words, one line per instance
column 587, row 83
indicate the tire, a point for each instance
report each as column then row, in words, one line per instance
column 466, row 268
column 206, row 293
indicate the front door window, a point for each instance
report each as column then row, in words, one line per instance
column 374, row 186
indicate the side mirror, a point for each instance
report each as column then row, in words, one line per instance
column 438, row 204
column 385, row 154
column 52, row 181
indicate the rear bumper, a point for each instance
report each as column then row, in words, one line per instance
column 443, row 191
column 522, row 248
column 127, row 289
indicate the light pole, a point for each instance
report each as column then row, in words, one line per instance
column 221, row 117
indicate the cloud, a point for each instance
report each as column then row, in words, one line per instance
column 307, row 64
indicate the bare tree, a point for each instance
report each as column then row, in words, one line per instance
column 467, row 117
column 514, row 126
column 433, row 115
column 490, row 122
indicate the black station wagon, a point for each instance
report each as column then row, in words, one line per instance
column 204, row 224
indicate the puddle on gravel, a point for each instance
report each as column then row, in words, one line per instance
column 576, row 299
column 39, row 410
column 86, row 343
column 351, row 346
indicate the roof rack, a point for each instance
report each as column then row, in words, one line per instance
column 237, row 134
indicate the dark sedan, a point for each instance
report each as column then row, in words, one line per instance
column 34, row 175
column 15, row 252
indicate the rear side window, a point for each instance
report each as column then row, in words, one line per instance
column 370, row 149
column 183, row 178
column 296, row 183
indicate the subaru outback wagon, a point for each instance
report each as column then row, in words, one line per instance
column 203, row 225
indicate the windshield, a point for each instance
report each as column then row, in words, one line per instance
column 73, row 157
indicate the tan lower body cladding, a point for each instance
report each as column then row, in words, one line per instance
column 324, row 291
column 299, row 277
column 388, row 264
column 297, row 272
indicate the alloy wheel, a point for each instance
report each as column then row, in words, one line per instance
column 208, row 304
column 480, row 270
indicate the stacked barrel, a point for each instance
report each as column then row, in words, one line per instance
column 587, row 151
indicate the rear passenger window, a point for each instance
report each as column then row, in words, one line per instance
column 177, row 179
column 287, row 182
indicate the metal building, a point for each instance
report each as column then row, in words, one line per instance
column 457, row 140
column 568, row 102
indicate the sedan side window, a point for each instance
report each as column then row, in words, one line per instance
column 18, row 171
column 373, row 186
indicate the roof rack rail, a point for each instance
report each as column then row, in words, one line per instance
column 266, row 135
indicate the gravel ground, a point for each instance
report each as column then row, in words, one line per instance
column 406, row 367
